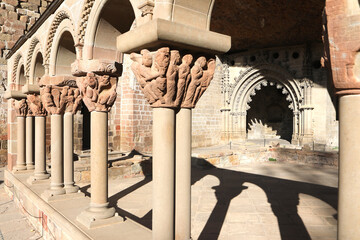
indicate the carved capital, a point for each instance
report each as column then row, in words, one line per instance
column 21, row 107
column 97, row 91
column 56, row 99
column 168, row 79
column 35, row 105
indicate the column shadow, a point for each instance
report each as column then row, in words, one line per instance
column 282, row 195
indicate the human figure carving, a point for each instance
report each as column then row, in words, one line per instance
column 184, row 78
column 205, row 80
column 20, row 107
column 161, row 63
column 196, row 74
column 171, row 76
column 145, row 74
column 36, row 105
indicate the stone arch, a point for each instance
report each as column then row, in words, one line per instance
column 20, row 75
column 90, row 18
column 65, row 25
column 60, row 17
column 34, row 48
column 254, row 79
column 15, row 68
column 37, row 69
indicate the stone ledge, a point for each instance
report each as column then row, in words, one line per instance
column 159, row 33
column 12, row 94
column 30, row 89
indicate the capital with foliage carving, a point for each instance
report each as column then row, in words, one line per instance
column 168, row 79
column 97, row 91
column 21, row 107
column 57, row 99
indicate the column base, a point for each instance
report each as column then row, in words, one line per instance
column 52, row 193
column 99, row 216
column 71, row 188
column 20, row 170
column 41, row 176
column 49, row 197
column 30, row 166
column 33, row 180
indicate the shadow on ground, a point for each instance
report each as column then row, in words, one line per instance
column 282, row 195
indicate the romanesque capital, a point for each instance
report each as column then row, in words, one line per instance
column 35, row 105
column 168, row 79
column 21, row 107
column 98, row 92
column 57, row 100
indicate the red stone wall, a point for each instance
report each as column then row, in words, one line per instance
column 342, row 41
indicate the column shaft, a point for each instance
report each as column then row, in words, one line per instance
column 57, row 176
column 29, row 142
column 99, row 158
column 20, row 158
column 183, row 175
column 40, row 149
column 163, row 173
column 349, row 167
column 68, row 154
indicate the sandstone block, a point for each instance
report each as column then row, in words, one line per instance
column 29, row 6
column 11, row 2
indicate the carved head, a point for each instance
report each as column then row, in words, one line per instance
column 162, row 59
column 187, row 59
column 146, row 58
column 211, row 64
column 201, row 62
column 47, row 89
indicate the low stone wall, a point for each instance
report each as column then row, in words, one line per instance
column 283, row 155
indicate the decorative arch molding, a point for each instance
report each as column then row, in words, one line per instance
column 60, row 16
column 15, row 68
column 85, row 13
column 254, row 77
column 34, row 42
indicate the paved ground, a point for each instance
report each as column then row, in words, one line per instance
column 254, row 201
column 13, row 224
column 257, row 201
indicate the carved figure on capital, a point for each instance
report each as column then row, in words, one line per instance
column 167, row 83
column 55, row 99
column 98, row 92
column 35, row 105
column 21, row 107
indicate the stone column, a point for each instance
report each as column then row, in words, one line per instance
column 184, row 83
column 21, row 111
column 349, row 167
column 99, row 211
column 30, row 143
column 57, row 175
column 307, row 131
column 36, row 107
column 68, row 153
column 183, row 174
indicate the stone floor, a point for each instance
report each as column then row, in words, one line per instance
column 13, row 224
column 251, row 201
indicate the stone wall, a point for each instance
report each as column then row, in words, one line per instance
column 16, row 17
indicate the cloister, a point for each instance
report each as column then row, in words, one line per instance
column 83, row 61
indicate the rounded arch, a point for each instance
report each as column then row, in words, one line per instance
column 15, row 68
column 126, row 12
column 35, row 61
column 65, row 39
column 20, row 75
column 255, row 76
column 33, row 43
column 58, row 19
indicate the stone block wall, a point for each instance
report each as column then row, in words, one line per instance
column 16, row 17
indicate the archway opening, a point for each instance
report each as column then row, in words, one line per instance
column 269, row 116
column 39, row 69
column 66, row 54
column 116, row 18
column 22, row 79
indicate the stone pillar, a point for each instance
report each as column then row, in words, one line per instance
column 30, row 143
column 183, row 175
column 307, row 136
column 68, row 153
column 40, row 172
column 99, row 212
column 295, row 136
column 57, row 175
column 349, row 167
column 184, row 83
column 36, row 107
column 21, row 109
